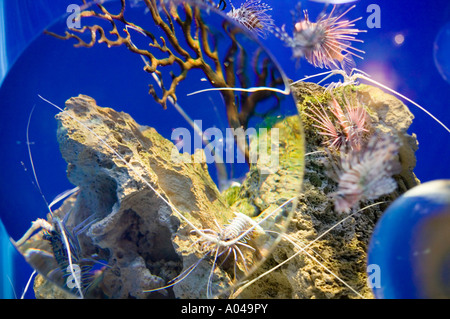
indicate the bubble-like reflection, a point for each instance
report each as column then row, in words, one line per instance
column 441, row 50
column 176, row 192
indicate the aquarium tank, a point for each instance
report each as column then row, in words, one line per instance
column 224, row 149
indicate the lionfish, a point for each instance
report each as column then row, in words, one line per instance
column 220, row 6
column 326, row 43
column 252, row 15
column 366, row 174
column 348, row 128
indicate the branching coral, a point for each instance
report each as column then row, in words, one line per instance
column 189, row 43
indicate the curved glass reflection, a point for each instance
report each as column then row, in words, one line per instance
column 176, row 192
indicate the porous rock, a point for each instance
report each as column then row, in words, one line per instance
column 147, row 244
column 143, row 241
column 334, row 265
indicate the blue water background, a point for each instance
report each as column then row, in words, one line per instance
column 409, row 68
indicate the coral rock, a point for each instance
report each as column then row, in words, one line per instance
column 343, row 250
column 144, row 242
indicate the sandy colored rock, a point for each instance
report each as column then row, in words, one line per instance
column 147, row 244
column 143, row 241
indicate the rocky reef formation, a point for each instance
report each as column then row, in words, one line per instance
column 134, row 231
column 146, row 244
column 343, row 250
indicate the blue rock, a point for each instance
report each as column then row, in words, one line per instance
column 409, row 252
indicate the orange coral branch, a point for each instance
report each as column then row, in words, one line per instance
column 200, row 46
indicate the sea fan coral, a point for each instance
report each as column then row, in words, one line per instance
column 326, row 42
column 252, row 14
column 366, row 174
